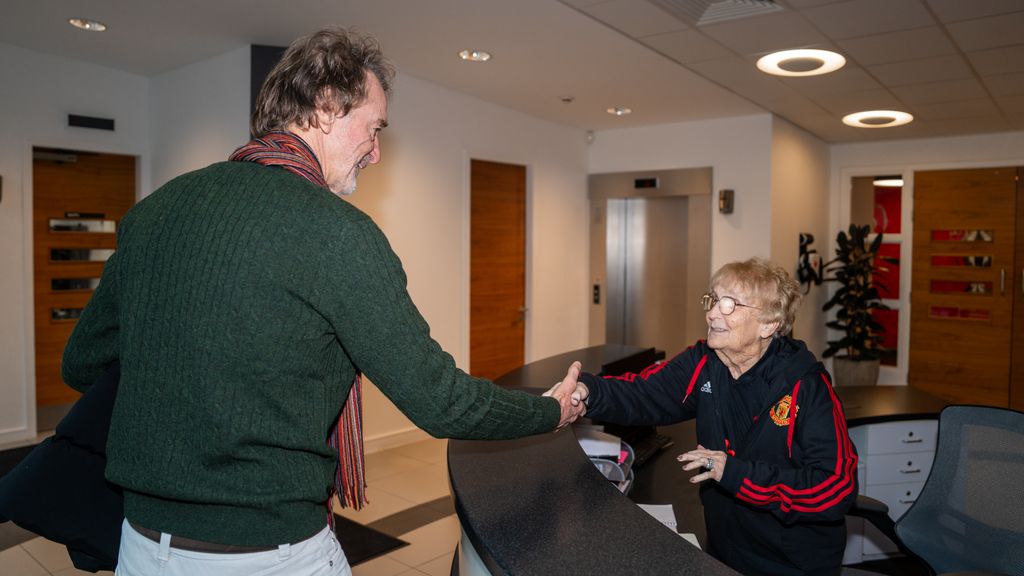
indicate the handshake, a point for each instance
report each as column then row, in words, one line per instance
column 571, row 395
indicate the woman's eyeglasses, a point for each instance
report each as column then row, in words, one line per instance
column 726, row 304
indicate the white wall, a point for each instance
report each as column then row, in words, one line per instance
column 36, row 95
column 739, row 152
column 800, row 198
column 200, row 114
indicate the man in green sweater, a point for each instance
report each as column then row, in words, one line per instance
column 244, row 302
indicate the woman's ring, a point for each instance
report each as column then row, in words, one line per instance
column 709, row 465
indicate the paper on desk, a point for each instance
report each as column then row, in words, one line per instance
column 598, row 443
column 666, row 515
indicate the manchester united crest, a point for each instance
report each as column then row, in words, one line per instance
column 780, row 412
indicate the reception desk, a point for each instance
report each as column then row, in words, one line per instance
column 538, row 505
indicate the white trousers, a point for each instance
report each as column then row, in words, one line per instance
column 320, row 555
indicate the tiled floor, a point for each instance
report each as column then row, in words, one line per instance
column 398, row 479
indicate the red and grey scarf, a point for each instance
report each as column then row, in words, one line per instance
column 288, row 151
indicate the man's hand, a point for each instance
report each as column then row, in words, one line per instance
column 566, row 392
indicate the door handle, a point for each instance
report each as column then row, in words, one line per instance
column 1002, row 280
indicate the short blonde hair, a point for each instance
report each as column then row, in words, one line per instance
column 777, row 293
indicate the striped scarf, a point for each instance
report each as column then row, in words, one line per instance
column 290, row 152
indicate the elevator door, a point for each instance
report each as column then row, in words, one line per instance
column 647, row 273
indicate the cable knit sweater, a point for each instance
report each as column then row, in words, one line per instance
column 240, row 302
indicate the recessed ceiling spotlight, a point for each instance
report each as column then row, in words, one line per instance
column 803, row 62
column 475, row 55
column 619, row 111
column 87, row 24
column 877, row 119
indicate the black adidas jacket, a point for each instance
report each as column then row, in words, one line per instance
column 791, row 473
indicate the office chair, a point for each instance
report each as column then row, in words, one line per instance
column 969, row 516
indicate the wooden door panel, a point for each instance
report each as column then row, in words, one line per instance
column 72, row 186
column 960, row 340
column 497, row 268
column 1017, row 364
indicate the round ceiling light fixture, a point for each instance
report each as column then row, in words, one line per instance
column 877, row 119
column 475, row 55
column 619, row 111
column 87, row 24
column 802, row 62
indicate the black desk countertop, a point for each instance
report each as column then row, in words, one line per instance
column 538, row 506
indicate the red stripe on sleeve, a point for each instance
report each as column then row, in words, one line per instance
column 827, row 493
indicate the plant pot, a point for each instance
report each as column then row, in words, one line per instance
column 846, row 372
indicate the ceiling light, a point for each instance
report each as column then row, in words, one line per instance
column 802, row 62
column 619, row 111
column 475, row 55
column 86, row 24
column 877, row 119
column 888, row 181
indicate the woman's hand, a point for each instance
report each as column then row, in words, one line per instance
column 710, row 462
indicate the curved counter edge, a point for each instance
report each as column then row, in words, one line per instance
column 537, row 505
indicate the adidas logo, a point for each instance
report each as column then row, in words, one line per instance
column 706, row 388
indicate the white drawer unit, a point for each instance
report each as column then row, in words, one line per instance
column 905, row 436
column 898, row 468
column 896, row 459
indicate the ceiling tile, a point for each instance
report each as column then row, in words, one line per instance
column 1005, row 84
column 800, row 4
column 921, row 71
column 762, row 34
column 956, row 10
column 898, row 46
column 687, row 46
column 977, row 108
column 957, row 126
column 948, row 91
column 741, row 77
column 867, row 17
column 582, row 3
column 992, row 32
column 1012, row 106
column 635, row 18
column 846, row 79
column 998, row 60
column 843, row 103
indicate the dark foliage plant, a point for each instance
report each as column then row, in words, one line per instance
column 853, row 269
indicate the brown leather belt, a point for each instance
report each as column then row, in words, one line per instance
column 191, row 545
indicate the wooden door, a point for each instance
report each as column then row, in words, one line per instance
column 1017, row 367
column 497, row 268
column 963, row 284
column 78, row 200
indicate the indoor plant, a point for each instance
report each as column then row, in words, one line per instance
column 856, row 353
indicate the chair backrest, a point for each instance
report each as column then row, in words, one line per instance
column 970, row 512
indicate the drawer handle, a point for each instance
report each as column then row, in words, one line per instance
column 911, row 471
column 913, row 440
column 907, row 500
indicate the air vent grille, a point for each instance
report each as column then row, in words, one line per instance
column 702, row 12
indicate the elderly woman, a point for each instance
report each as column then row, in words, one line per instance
column 777, row 467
